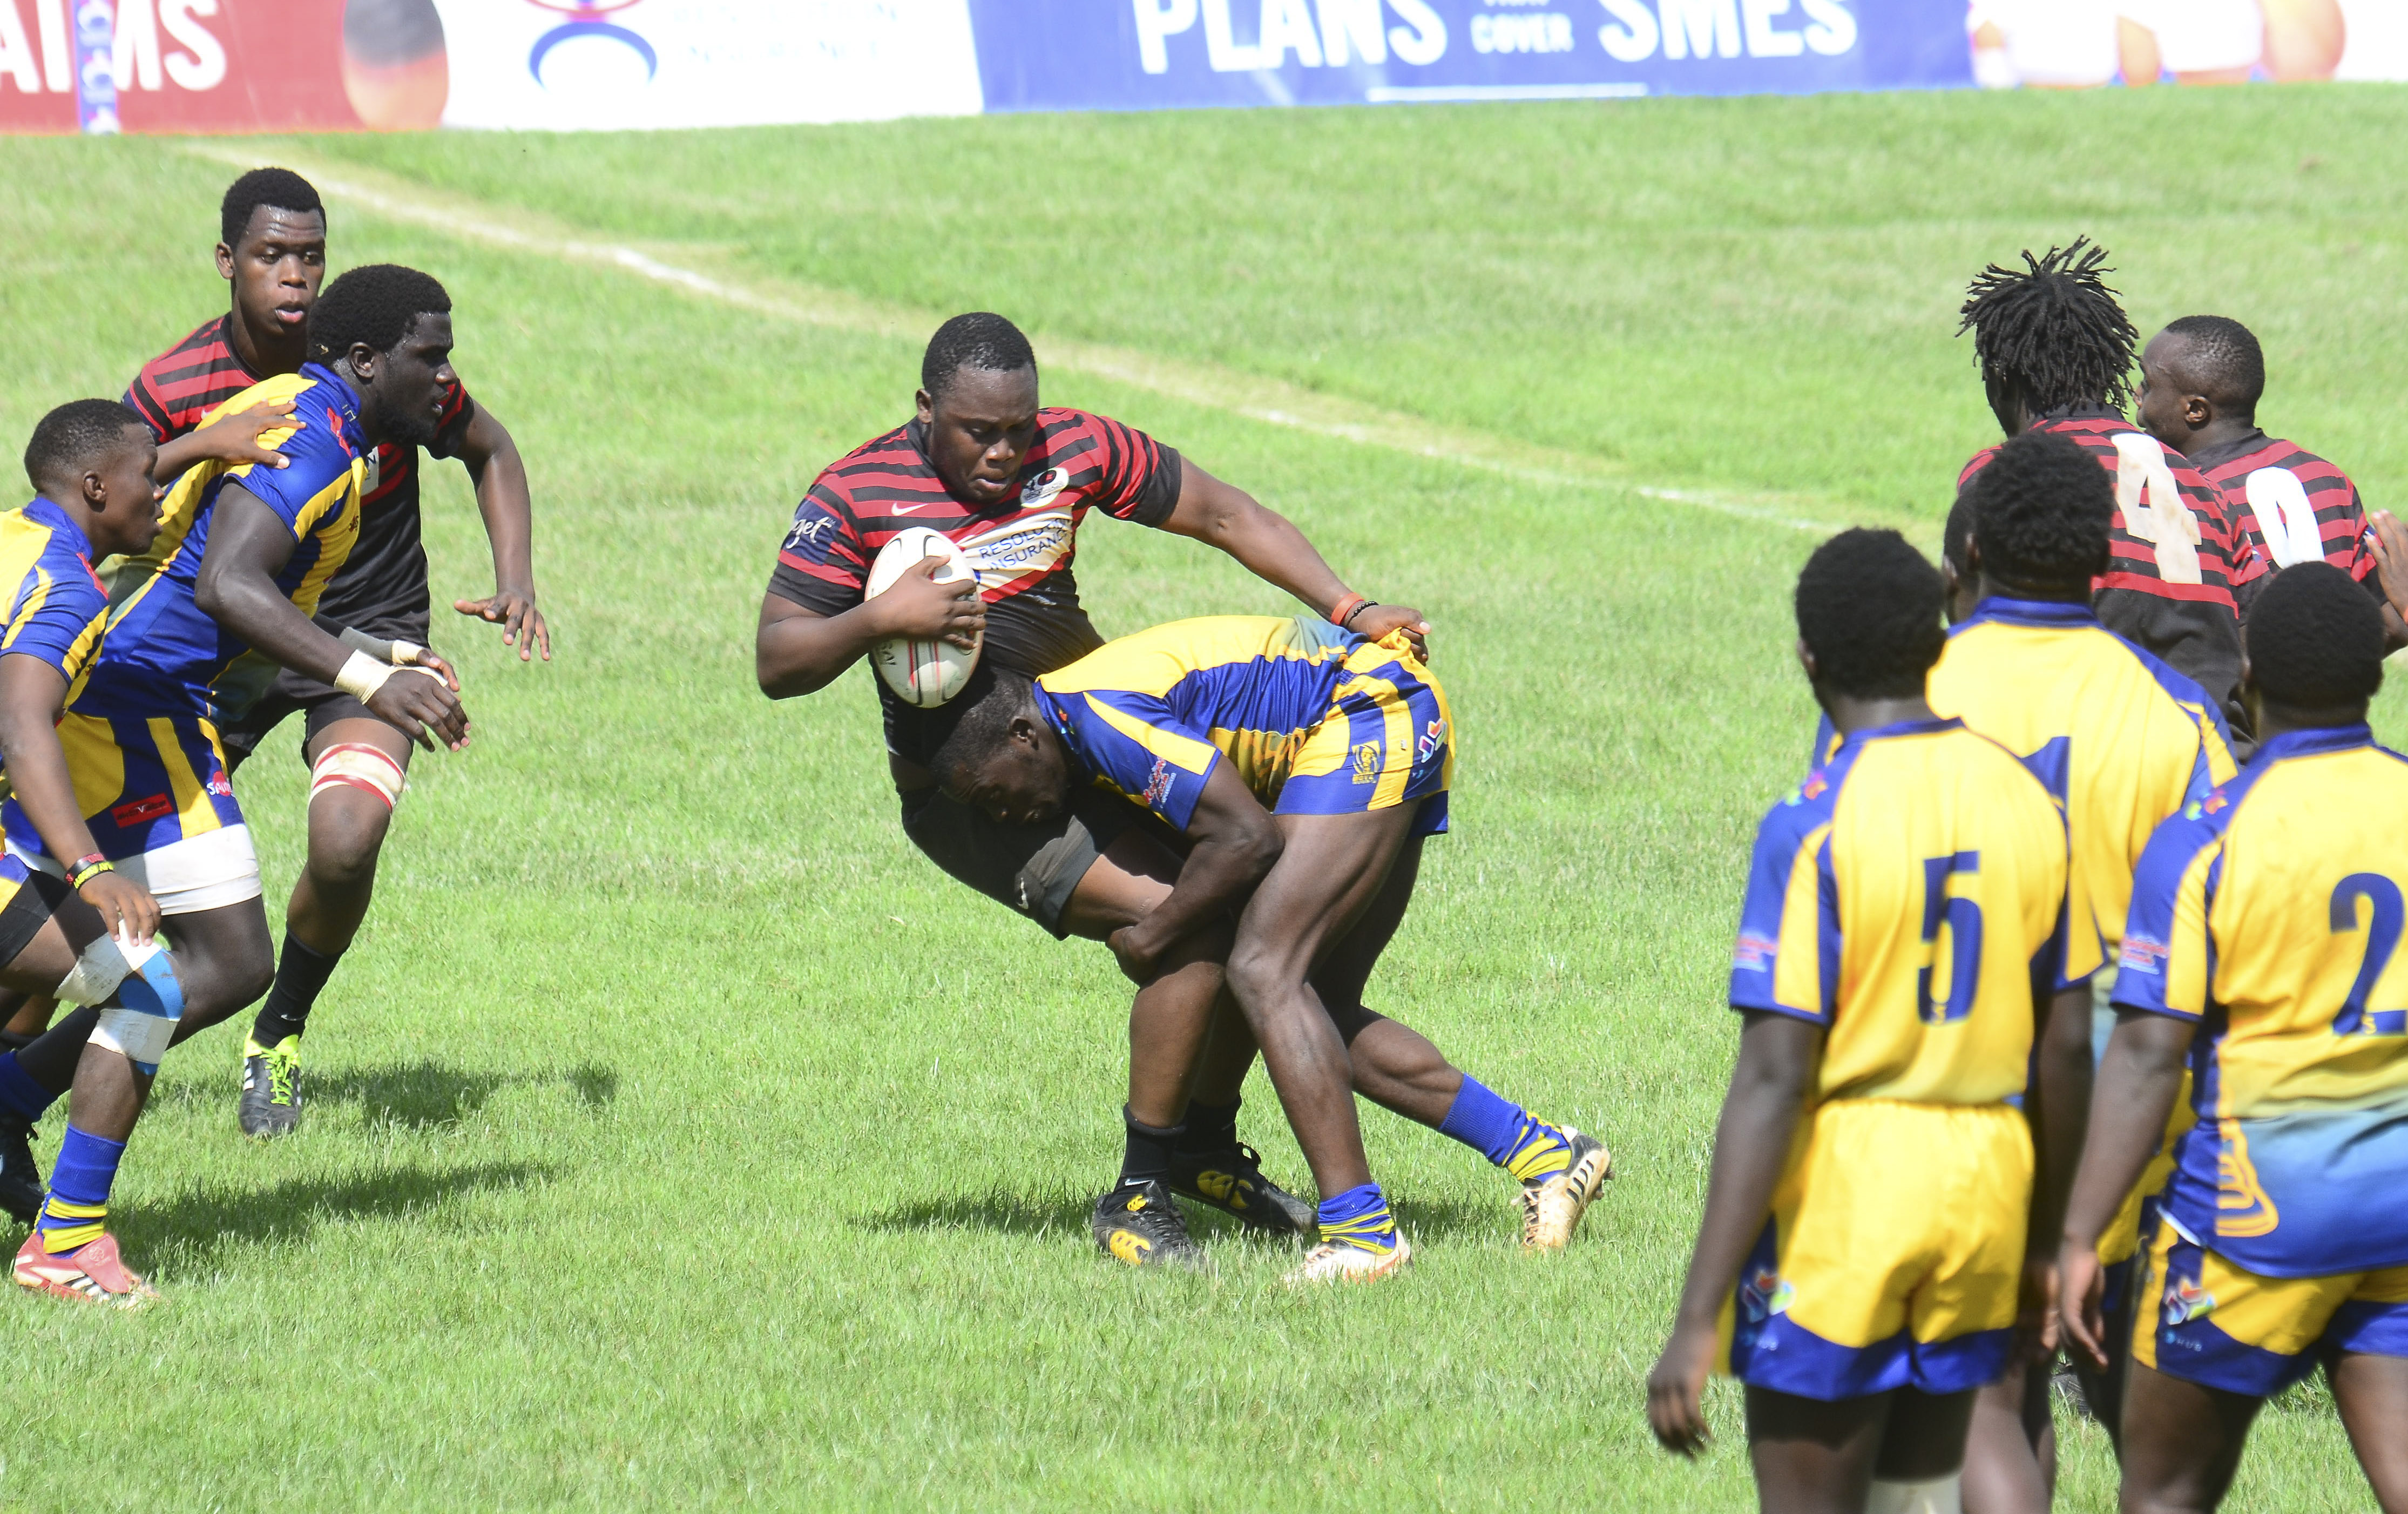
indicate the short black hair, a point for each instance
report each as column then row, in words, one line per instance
column 376, row 305
column 2315, row 639
column 974, row 723
column 981, row 340
column 2042, row 512
column 71, row 438
column 2224, row 361
column 1869, row 609
column 280, row 188
column 2052, row 329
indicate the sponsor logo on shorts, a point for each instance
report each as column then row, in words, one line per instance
column 1433, row 741
column 138, row 811
column 1755, row 952
column 1158, row 784
column 2143, row 955
column 1765, row 1292
column 219, row 786
column 2206, row 806
column 2186, row 1301
column 1366, row 763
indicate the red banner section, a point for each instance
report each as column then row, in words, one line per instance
column 178, row 66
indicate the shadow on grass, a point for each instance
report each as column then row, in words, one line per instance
column 189, row 1233
column 418, row 1095
column 1064, row 1213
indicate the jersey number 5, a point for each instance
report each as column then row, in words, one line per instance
column 1963, row 917
column 2383, row 924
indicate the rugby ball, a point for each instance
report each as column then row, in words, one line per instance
column 923, row 672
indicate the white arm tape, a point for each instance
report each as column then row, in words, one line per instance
column 404, row 653
column 362, row 676
column 103, row 965
column 397, row 652
column 141, row 1039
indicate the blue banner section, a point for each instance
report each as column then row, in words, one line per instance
column 1142, row 54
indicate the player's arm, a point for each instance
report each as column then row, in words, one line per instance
column 798, row 651
column 248, row 544
column 2058, row 1108
column 494, row 465
column 1777, row 1053
column 2139, row 1079
column 1274, row 550
column 394, row 653
column 32, row 695
column 2388, row 539
column 1235, row 842
column 228, row 438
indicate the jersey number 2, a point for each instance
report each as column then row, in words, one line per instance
column 1963, row 917
column 2382, row 936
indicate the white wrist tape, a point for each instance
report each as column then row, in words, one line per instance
column 102, row 966
column 403, row 653
column 361, row 675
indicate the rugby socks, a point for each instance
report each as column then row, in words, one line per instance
column 1210, row 1127
column 77, row 1210
column 1359, row 1217
column 20, row 1093
column 301, row 975
column 1147, row 1157
column 1506, row 1133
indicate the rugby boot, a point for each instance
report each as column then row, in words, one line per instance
column 92, row 1273
column 1347, row 1261
column 20, row 1179
column 1231, row 1180
column 1552, row 1206
column 271, row 1087
column 1139, row 1224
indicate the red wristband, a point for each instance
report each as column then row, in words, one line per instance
column 1344, row 607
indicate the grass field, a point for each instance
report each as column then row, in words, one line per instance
column 680, row 1138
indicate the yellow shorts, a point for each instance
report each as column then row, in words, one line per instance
column 1893, row 1256
column 1387, row 740
column 2202, row 1319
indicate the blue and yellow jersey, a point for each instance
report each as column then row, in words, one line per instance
column 2271, row 912
column 161, row 655
column 56, row 606
column 1314, row 720
column 2121, row 740
column 1910, row 897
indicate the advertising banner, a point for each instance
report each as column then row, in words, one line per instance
column 1126, row 54
column 173, row 65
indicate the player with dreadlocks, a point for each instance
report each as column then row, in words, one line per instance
column 2056, row 354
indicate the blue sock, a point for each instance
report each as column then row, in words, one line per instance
column 77, row 1210
column 1505, row 1133
column 1359, row 1217
column 20, row 1095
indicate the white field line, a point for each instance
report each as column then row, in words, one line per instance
column 1254, row 397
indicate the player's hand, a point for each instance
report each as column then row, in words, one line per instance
column 916, row 605
column 1379, row 621
column 422, row 709
column 2082, row 1290
column 235, row 438
column 1676, row 1390
column 2389, row 540
column 521, row 623
column 126, row 908
column 1138, row 955
column 427, row 658
column 2036, row 1310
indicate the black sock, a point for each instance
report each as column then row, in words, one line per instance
column 11, row 1042
column 301, row 975
column 1147, row 1156
column 1210, row 1127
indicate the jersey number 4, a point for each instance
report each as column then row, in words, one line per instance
column 1963, row 917
column 2384, row 920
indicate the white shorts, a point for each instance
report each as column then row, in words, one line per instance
column 209, row 871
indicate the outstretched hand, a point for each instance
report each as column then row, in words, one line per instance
column 513, row 610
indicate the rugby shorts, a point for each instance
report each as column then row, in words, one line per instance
column 1893, row 1256
column 2200, row 1317
column 27, row 901
column 160, row 805
column 1031, row 869
column 1387, row 740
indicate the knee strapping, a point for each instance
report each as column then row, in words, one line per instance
column 1941, row 1496
column 98, row 970
column 357, row 764
column 150, row 999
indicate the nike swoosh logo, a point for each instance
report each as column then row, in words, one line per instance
column 906, row 509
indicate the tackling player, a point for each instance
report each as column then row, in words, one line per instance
column 1863, row 1246
column 2261, row 950
column 2122, row 741
column 1304, row 766
column 2056, row 349
column 1010, row 482
column 203, row 619
column 273, row 253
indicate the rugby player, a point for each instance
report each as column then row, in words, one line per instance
column 2260, row 950
column 2056, row 351
column 1304, row 766
column 88, row 941
column 2122, row 741
column 1900, row 947
column 202, row 622
column 1010, row 481
column 273, row 253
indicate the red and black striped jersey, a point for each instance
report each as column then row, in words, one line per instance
column 2293, row 506
column 381, row 587
column 2176, row 563
column 1021, row 549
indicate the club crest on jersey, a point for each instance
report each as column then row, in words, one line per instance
column 1042, row 490
column 1158, row 784
column 1765, row 1292
column 1366, row 763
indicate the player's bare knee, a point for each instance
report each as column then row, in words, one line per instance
column 346, row 831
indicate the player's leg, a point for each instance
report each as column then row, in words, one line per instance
column 357, row 768
column 2011, row 1447
column 2371, row 1393
column 1923, row 1454
column 1812, row 1456
column 1560, row 1169
column 2181, row 1440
